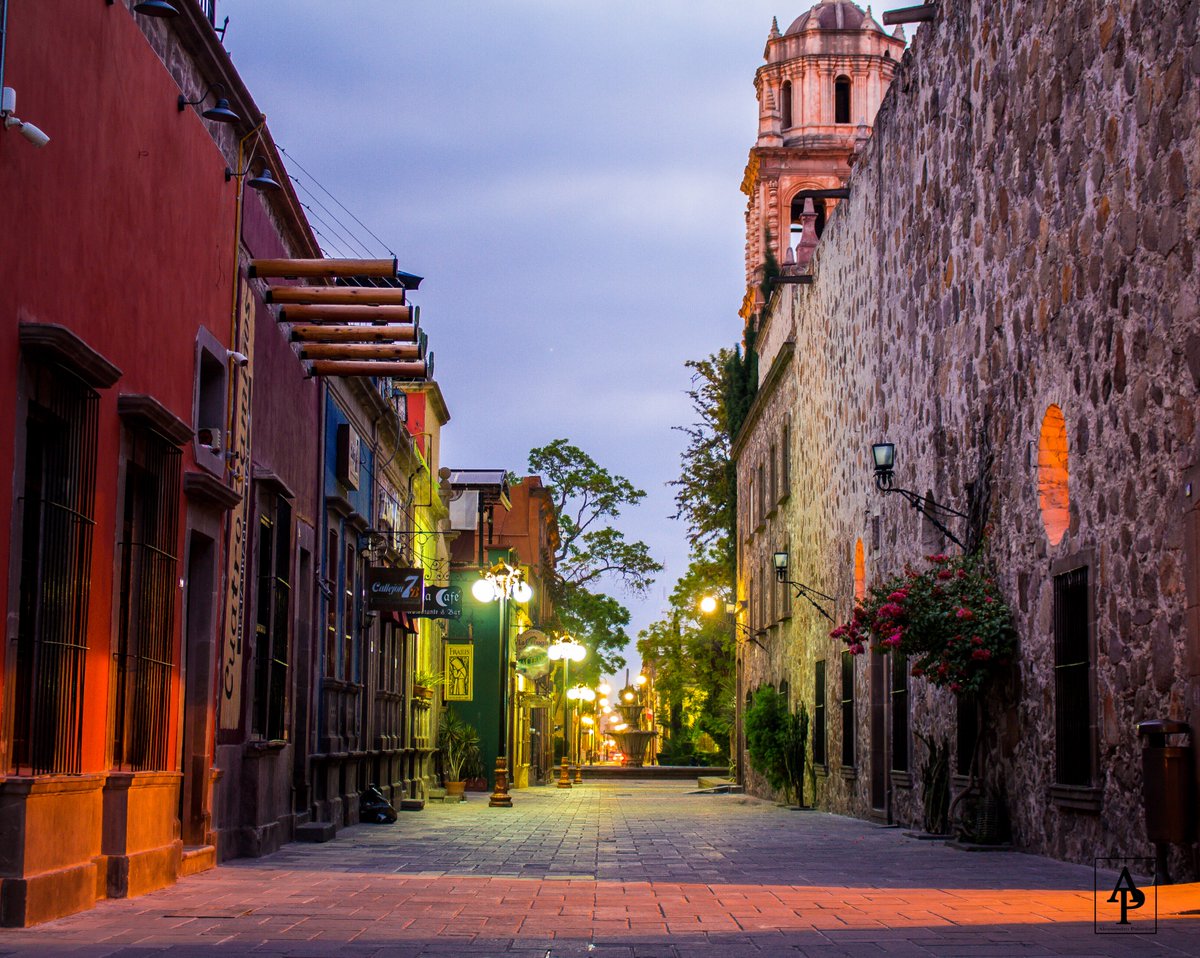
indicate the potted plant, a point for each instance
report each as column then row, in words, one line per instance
column 424, row 683
column 459, row 743
column 776, row 740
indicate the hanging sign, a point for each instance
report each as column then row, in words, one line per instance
column 441, row 602
column 395, row 590
column 460, row 672
column 233, row 622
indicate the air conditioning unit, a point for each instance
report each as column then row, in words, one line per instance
column 209, row 437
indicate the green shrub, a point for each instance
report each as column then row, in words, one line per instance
column 777, row 741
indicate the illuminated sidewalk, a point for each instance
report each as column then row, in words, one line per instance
column 622, row 870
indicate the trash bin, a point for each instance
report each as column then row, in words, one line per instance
column 1168, row 782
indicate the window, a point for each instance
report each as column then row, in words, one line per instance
column 860, row 572
column 787, row 104
column 761, row 501
column 819, row 756
column 751, row 519
column 1072, row 679
column 331, row 612
column 847, row 710
column 271, row 632
column 208, row 413
column 967, row 720
column 1053, row 473
column 144, row 654
column 774, row 461
column 841, row 100
column 348, row 615
column 899, row 702
column 785, row 459
column 57, row 498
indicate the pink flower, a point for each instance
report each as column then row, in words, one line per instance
column 976, row 640
column 965, row 613
column 988, row 599
column 945, row 574
column 891, row 610
column 857, row 649
column 955, row 687
column 898, row 596
column 939, row 557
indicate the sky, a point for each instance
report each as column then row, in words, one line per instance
column 566, row 177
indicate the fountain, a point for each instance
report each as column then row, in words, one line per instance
column 633, row 739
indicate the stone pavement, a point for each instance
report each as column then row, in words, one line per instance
column 621, row 870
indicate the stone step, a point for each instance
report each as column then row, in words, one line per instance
column 196, row 859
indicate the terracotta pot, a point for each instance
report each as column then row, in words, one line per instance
column 423, row 692
column 454, row 790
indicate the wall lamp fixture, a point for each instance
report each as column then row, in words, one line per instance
column 8, row 106
column 264, row 182
column 710, row 603
column 155, row 8
column 802, row 591
column 884, row 456
column 219, row 112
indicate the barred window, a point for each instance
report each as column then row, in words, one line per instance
column 819, row 755
column 1072, row 679
column 56, row 515
column 785, row 458
column 348, row 614
column 144, row 654
column 847, row 710
column 774, row 460
column 271, row 628
column 899, row 699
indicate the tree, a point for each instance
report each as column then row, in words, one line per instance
column 591, row 551
column 693, row 656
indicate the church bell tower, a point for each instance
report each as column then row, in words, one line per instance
column 818, row 93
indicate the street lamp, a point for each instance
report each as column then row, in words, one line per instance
column 580, row 694
column 883, row 454
column 502, row 583
column 802, row 590
column 566, row 649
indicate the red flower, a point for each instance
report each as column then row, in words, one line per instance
column 939, row 558
column 917, row 670
column 945, row 574
column 955, row 687
column 976, row 640
column 898, row 596
column 981, row 654
column 965, row 613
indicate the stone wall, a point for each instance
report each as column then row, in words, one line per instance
column 1020, row 233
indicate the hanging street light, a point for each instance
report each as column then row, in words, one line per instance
column 567, row 649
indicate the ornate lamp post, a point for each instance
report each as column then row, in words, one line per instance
column 580, row 693
column 501, row 583
column 567, row 650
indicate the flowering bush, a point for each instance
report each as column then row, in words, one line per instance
column 951, row 619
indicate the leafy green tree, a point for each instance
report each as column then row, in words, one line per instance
column 592, row 552
column 693, row 655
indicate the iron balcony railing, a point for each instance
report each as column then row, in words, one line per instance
column 209, row 9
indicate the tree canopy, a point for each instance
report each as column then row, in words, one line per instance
column 591, row 551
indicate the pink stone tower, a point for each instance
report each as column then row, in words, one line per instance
column 818, row 93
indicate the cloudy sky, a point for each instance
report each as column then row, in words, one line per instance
column 565, row 176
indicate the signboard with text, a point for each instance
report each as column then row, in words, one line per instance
column 460, row 672
column 395, row 590
column 441, row 602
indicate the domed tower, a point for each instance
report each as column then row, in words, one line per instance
column 818, row 93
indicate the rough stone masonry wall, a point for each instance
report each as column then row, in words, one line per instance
column 1020, row 233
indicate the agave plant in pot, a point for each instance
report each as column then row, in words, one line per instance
column 459, row 742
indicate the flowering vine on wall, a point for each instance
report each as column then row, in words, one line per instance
column 950, row 619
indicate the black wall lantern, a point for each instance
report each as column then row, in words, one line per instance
column 884, row 456
column 802, row 590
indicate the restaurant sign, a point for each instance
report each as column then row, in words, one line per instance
column 395, row 590
column 441, row 602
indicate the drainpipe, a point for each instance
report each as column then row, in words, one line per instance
column 3, row 37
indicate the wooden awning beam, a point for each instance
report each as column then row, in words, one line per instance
column 918, row 14
column 361, row 351
column 327, row 268
column 337, row 295
column 310, row 313
column 354, row 334
column 397, row 370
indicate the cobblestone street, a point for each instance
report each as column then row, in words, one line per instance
column 625, row 870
